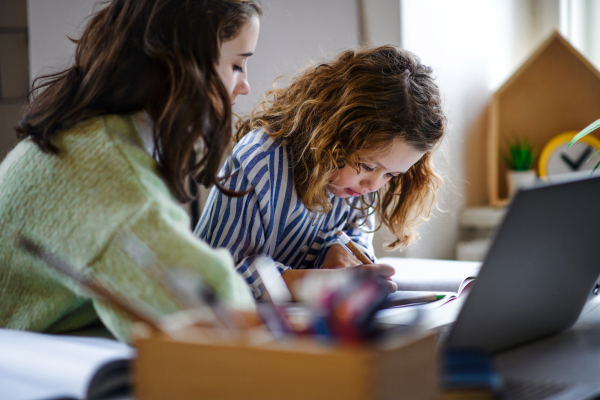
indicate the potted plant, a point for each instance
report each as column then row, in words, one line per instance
column 519, row 160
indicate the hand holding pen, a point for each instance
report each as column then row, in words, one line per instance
column 383, row 270
column 346, row 241
column 431, row 297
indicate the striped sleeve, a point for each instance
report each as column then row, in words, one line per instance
column 243, row 224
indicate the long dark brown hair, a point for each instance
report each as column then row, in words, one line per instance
column 360, row 101
column 155, row 55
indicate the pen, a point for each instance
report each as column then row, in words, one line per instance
column 353, row 248
column 428, row 298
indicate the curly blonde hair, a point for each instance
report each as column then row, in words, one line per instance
column 360, row 101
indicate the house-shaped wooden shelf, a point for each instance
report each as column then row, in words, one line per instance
column 556, row 90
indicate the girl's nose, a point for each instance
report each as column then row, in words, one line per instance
column 368, row 185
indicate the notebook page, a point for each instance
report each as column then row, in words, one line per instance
column 36, row 365
column 427, row 275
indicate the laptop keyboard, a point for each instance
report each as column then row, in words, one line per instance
column 527, row 389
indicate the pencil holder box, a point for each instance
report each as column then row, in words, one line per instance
column 187, row 365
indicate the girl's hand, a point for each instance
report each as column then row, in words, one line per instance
column 338, row 257
column 383, row 270
column 294, row 277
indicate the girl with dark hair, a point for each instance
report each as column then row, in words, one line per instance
column 346, row 140
column 107, row 147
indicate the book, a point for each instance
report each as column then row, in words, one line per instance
column 419, row 277
column 47, row 366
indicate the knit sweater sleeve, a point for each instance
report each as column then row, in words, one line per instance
column 172, row 246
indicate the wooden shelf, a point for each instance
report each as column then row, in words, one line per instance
column 556, row 90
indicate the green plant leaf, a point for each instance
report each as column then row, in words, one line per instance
column 597, row 151
column 590, row 128
column 595, row 168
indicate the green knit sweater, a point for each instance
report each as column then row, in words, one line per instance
column 103, row 184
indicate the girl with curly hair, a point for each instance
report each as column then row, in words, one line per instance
column 347, row 142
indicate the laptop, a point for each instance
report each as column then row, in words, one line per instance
column 539, row 272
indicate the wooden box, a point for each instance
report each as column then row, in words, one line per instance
column 190, row 368
column 556, row 90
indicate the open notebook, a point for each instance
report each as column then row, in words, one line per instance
column 416, row 276
column 45, row 366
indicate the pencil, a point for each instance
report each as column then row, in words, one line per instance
column 353, row 248
column 427, row 298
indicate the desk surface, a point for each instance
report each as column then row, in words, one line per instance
column 572, row 356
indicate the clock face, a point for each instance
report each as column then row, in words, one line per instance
column 557, row 159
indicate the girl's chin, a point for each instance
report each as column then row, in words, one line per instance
column 337, row 192
column 350, row 193
column 344, row 194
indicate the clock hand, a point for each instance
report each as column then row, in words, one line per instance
column 575, row 165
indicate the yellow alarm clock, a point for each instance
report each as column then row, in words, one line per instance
column 556, row 159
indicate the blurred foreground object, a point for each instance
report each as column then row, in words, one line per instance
column 302, row 368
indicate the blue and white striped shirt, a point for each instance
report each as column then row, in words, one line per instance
column 270, row 223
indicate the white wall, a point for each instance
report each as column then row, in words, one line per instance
column 593, row 32
column 294, row 32
column 578, row 22
column 473, row 46
column 50, row 22
column 380, row 22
